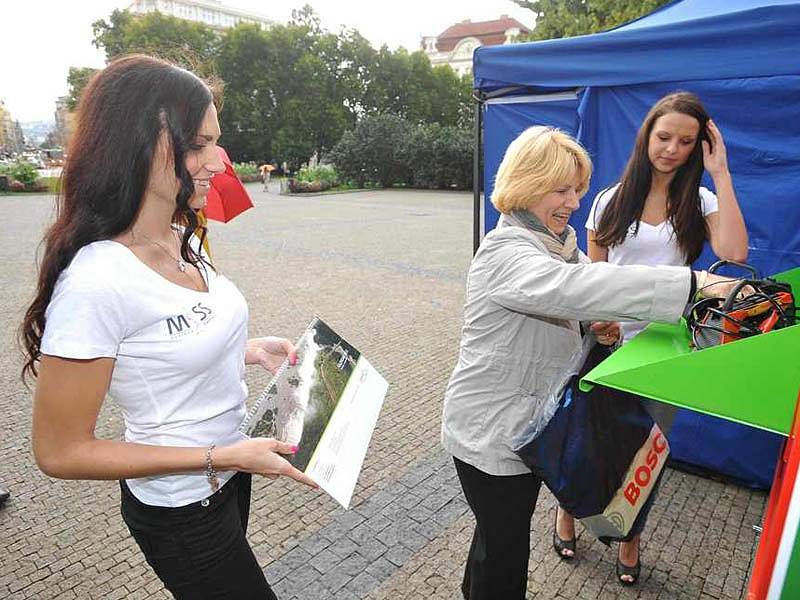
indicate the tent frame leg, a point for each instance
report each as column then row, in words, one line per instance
column 477, row 172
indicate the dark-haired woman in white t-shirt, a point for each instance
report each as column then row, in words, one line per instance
column 128, row 306
column 658, row 214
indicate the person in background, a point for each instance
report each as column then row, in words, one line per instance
column 659, row 214
column 528, row 288
column 266, row 170
column 129, row 305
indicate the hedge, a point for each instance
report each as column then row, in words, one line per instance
column 388, row 150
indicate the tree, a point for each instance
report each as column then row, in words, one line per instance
column 283, row 96
column 439, row 157
column 354, row 61
column 406, row 85
column 291, row 91
column 451, row 98
column 373, row 151
column 247, row 63
column 387, row 150
column 77, row 79
column 189, row 44
column 566, row 18
column 315, row 118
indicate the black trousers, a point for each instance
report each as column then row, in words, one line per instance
column 497, row 565
column 199, row 551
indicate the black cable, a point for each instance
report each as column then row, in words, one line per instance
column 764, row 290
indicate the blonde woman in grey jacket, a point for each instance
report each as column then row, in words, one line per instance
column 528, row 288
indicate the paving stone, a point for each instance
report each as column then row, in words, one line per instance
column 314, row 591
column 411, row 539
column 372, row 550
column 362, row 584
column 335, row 579
column 324, row 561
column 314, row 545
column 282, row 588
column 345, row 594
column 398, row 555
column 353, row 565
column 343, row 548
column 381, row 568
column 300, row 578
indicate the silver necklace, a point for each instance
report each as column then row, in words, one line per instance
column 181, row 264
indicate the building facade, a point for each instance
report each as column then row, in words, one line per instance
column 455, row 45
column 209, row 12
column 12, row 139
column 65, row 120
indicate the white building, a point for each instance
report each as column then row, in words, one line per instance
column 209, row 12
column 455, row 45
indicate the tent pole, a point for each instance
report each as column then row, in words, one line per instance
column 477, row 179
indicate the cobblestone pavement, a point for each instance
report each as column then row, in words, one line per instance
column 387, row 270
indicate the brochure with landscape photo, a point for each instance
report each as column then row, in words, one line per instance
column 327, row 404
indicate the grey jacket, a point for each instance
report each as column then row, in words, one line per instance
column 521, row 329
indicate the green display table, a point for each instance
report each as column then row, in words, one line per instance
column 753, row 381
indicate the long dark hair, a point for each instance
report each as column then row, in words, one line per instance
column 121, row 113
column 683, row 197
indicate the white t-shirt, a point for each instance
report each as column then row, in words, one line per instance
column 179, row 370
column 653, row 245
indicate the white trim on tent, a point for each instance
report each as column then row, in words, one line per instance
column 534, row 98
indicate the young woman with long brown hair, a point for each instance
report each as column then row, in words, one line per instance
column 659, row 214
column 128, row 304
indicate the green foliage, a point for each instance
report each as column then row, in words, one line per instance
column 372, row 151
column 52, row 184
column 77, row 79
column 21, row 171
column 439, row 157
column 325, row 174
column 191, row 45
column 291, row 91
column 246, row 169
column 388, row 150
column 247, row 61
column 406, row 85
column 566, row 18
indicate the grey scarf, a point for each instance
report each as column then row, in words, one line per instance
column 564, row 246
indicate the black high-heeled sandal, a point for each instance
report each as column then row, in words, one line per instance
column 632, row 572
column 559, row 545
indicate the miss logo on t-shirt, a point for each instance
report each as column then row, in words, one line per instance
column 188, row 323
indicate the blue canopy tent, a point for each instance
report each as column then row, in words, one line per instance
column 741, row 58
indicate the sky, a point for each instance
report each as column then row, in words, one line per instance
column 42, row 39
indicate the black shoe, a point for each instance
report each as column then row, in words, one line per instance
column 632, row 572
column 4, row 494
column 560, row 545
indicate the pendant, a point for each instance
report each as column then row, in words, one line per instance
column 182, row 266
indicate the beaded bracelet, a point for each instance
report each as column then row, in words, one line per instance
column 211, row 473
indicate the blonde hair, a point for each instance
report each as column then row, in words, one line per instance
column 536, row 163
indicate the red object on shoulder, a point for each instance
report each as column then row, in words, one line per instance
column 227, row 197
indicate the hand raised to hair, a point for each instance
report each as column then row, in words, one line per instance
column 715, row 155
column 269, row 352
